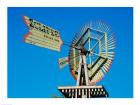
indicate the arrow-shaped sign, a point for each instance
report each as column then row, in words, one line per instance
column 42, row 35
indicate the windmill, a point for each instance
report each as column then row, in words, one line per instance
column 90, row 56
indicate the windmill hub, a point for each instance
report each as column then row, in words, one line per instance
column 84, row 51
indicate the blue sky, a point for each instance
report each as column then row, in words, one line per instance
column 33, row 72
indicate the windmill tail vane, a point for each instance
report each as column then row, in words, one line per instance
column 42, row 35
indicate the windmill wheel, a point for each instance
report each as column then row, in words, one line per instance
column 97, row 41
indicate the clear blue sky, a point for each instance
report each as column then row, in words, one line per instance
column 33, row 72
